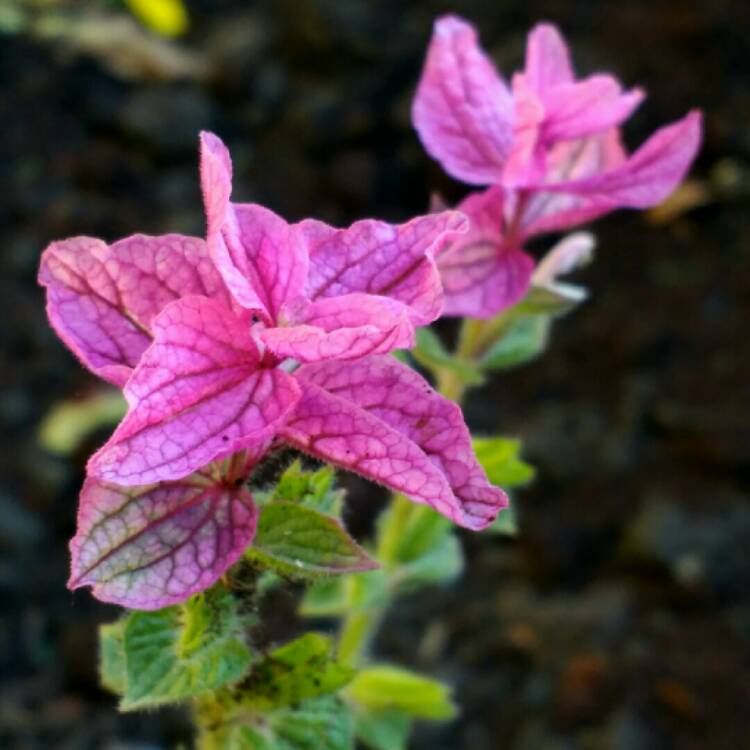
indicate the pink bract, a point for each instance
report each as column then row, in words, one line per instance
column 102, row 299
column 379, row 418
column 151, row 546
column 559, row 127
column 484, row 271
column 207, row 339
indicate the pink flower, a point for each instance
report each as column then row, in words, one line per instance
column 267, row 333
column 549, row 145
column 485, row 270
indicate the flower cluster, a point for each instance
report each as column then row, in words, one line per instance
column 548, row 147
column 267, row 333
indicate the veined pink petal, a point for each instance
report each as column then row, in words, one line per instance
column 261, row 258
column 216, row 179
column 547, row 211
column 650, row 174
column 571, row 111
column 391, row 260
column 380, row 419
column 526, row 162
column 152, row 546
column 198, row 393
column 350, row 326
column 548, row 61
column 481, row 273
column 587, row 107
column 463, row 110
column 101, row 299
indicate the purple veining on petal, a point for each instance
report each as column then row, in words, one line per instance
column 561, row 147
column 393, row 260
column 102, row 299
column 199, row 392
column 483, row 272
column 349, row 326
column 260, row 256
column 151, row 546
column 463, row 110
column 381, row 419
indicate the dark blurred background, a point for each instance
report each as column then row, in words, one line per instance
column 620, row 617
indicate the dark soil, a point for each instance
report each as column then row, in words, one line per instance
column 620, row 618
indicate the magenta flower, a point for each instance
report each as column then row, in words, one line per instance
column 208, row 345
column 550, row 147
column 485, row 270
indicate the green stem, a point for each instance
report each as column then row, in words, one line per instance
column 357, row 632
column 471, row 339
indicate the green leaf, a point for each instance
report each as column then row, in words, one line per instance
column 300, row 542
column 386, row 688
column 325, row 598
column 430, row 352
column 499, row 458
column 312, row 488
column 417, row 545
column 302, row 669
column 524, row 339
column 423, row 530
column 112, row 657
column 441, row 564
column 382, row 730
column 320, row 724
column 180, row 652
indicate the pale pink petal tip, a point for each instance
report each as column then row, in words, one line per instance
column 548, row 60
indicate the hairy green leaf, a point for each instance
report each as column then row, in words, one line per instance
column 320, row 724
column 112, row 656
column 180, row 652
column 387, row 688
column 300, row 542
column 312, row 488
column 302, row 669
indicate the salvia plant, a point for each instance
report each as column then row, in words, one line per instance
column 266, row 336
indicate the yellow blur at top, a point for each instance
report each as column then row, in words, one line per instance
column 165, row 17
